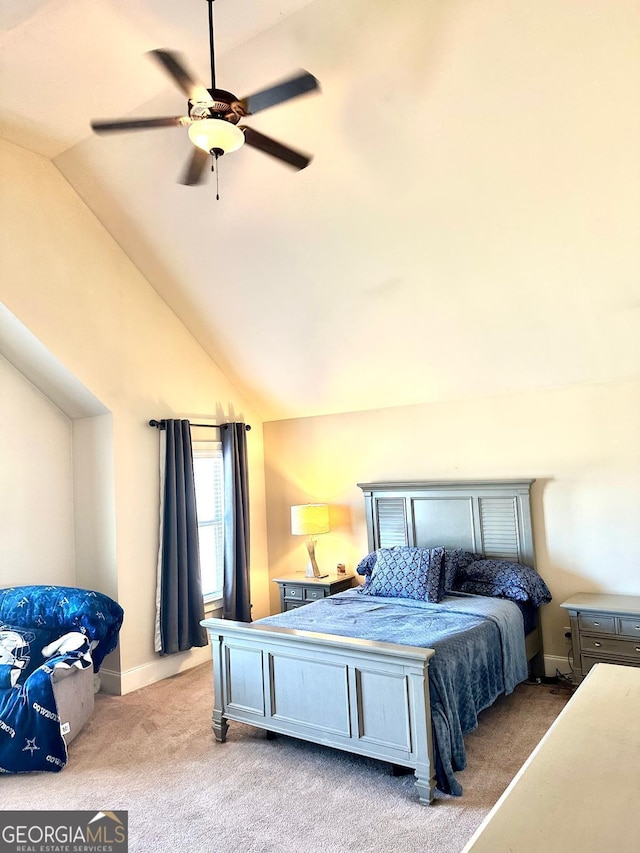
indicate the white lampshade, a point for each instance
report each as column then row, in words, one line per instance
column 216, row 133
column 310, row 519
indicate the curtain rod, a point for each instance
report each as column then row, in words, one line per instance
column 160, row 425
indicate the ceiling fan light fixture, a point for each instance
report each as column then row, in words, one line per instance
column 215, row 135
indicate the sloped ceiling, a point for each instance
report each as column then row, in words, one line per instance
column 468, row 226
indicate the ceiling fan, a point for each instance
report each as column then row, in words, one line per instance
column 213, row 115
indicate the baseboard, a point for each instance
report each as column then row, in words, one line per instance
column 109, row 681
column 118, row 684
column 556, row 662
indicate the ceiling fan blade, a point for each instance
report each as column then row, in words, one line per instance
column 301, row 84
column 194, row 173
column 275, row 149
column 138, row 123
column 173, row 65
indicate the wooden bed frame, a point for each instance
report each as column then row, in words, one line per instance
column 343, row 692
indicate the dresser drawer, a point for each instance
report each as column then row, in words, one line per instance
column 597, row 624
column 588, row 662
column 630, row 628
column 610, row 646
column 313, row 593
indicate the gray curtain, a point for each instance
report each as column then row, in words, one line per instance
column 179, row 594
column 236, row 591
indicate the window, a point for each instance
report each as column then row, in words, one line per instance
column 209, row 483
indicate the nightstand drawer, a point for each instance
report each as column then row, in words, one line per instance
column 630, row 628
column 604, row 627
column 313, row 593
column 294, row 592
column 608, row 645
column 597, row 624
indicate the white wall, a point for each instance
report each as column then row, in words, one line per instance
column 581, row 444
column 66, row 279
column 36, row 485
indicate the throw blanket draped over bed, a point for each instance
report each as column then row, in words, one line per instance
column 480, row 653
column 30, row 737
column 59, row 609
column 38, row 622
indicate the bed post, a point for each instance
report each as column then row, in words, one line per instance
column 218, row 721
column 420, row 708
column 371, row 521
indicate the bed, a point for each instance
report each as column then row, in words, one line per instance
column 394, row 678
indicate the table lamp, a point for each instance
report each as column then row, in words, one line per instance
column 310, row 520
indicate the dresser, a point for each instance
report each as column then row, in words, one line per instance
column 605, row 628
column 297, row 590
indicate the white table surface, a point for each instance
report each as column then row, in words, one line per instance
column 580, row 788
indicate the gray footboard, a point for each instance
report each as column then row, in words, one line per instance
column 360, row 696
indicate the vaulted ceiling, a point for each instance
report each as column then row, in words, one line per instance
column 468, row 225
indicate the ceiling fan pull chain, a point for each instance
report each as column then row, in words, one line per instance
column 216, row 170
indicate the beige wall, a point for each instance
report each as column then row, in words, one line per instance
column 36, row 485
column 70, row 284
column 581, row 444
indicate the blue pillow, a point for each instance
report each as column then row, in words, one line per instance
column 21, row 648
column 454, row 560
column 503, row 579
column 407, row 573
column 365, row 566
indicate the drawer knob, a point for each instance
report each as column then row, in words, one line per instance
column 597, row 645
column 638, row 648
column 596, row 623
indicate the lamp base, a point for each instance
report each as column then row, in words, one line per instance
column 312, row 567
column 309, row 574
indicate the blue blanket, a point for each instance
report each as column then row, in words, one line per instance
column 30, row 737
column 59, row 609
column 480, row 653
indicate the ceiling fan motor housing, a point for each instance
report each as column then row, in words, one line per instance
column 223, row 104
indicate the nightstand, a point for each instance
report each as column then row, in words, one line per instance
column 297, row 590
column 605, row 628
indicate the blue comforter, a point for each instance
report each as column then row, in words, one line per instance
column 480, row 653
column 30, row 737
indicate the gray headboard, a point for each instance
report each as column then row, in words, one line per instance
column 490, row 517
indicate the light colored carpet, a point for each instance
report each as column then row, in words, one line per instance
column 152, row 753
